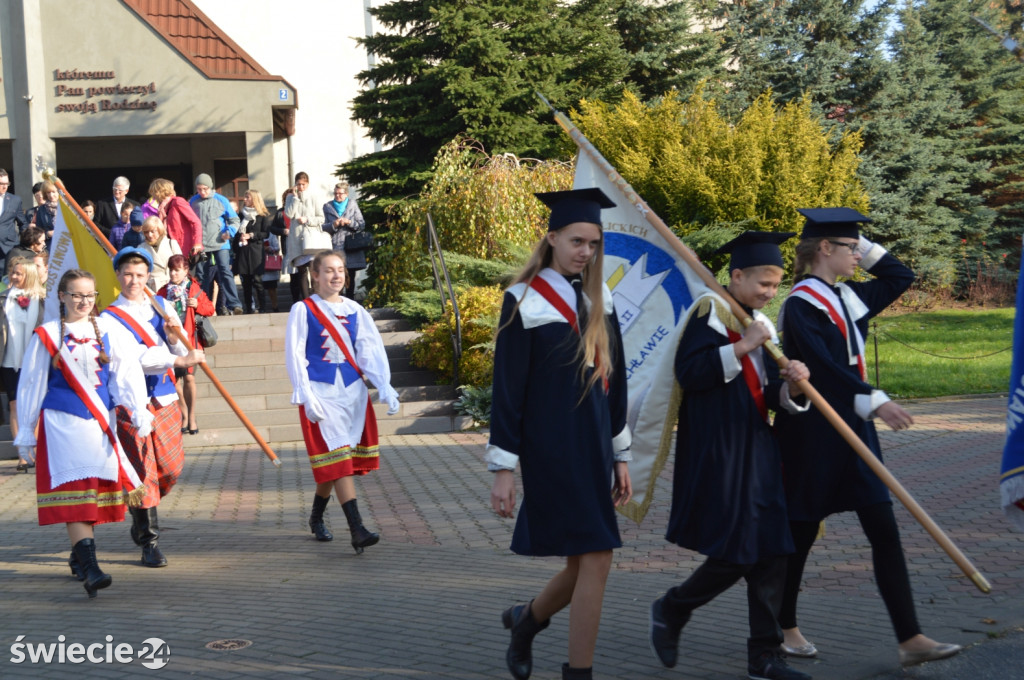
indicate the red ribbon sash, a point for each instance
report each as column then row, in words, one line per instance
column 127, row 319
column 556, row 300
column 839, row 321
column 751, row 377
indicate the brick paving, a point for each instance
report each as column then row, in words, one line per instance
column 424, row 603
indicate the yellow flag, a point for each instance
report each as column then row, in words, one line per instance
column 74, row 247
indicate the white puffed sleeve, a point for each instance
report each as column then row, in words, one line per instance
column 32, row 387
column 295, row 353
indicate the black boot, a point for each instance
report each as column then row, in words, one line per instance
column 568, row 673
column 95, row 579
column 519, row 657
column 76, row 568
column 316, row 519
column 147, row 529
column 361, row 536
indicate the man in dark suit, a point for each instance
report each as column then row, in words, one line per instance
column 12, row 219
column 108, row 210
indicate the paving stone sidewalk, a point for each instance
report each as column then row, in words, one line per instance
column 425, row 602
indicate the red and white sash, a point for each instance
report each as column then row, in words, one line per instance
column 823, row 296
column 79, row 381
column 558, row 302
column 147, row 338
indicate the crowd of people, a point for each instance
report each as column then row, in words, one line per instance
column 102, row 400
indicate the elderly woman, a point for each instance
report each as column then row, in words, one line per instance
column 342, row 218
column 179, row 219
column 160, row 247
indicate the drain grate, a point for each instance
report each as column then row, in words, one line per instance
column 228, row 645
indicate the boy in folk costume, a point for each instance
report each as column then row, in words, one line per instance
column 158, row 456
column 728, row 501
column 74, row 371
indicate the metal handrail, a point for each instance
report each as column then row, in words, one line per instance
column 437, row 257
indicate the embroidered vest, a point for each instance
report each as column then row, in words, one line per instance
column 60, row 396
column 320, row 367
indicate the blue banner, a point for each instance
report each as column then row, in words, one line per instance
column 1011, row 480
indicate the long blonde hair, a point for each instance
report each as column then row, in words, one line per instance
column 595, row 344
column 33, row 287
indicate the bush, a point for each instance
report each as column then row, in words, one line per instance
column 476, row 403
column 479, row 309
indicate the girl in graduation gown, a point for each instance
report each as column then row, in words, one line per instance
column 74, row 372
column 337, row 419
column 824, row 324
column 559, row 409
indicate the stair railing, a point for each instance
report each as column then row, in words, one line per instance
column 444, row 289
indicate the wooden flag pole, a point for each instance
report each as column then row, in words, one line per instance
column 815, row 397
column 175, row 328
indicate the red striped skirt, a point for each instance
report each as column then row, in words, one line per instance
column 345, row 461
column 91, row 500
column 159, row 458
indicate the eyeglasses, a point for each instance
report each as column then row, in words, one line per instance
column 851, row 246
column 80, row 298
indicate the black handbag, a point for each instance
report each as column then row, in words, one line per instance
column 205, row 331
column 358, row 240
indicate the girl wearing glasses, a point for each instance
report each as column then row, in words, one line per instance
column 75, row 370
column 824, row 323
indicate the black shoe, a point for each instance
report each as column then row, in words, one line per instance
column 361, row 536
column 95, row 579
column 222, row 311
column 145, row 532
column 664, row 635
column 570, row 673
column 316, row 519
column 772, row 666
column 519, row 657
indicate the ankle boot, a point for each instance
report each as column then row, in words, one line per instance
column 361, row 536
column 519, row 657
column 76, row 568
column 316, row 519
column 147, row 529
column 95, row 579
column 570, row 673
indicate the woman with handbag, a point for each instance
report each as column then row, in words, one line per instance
column 344, row 221
column 255, row 224
column 305, row 234
column 189, row 301
column 330, row 345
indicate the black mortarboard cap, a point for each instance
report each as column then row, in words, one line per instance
column 576, row 205
column 837, row 222
column 756, row 248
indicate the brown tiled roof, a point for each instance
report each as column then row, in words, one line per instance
column 198, row 39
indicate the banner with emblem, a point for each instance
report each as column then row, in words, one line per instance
column 652, row 288
column 1011, row 480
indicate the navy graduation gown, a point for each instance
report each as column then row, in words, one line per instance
column 823, row 474
column 727, row 496
column 564, row 443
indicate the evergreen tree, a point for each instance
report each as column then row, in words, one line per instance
column 664, row 53
column 829, row 49
column 917, row 166
column 447, row 68
column 990, row 81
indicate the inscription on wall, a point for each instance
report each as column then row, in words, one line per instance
column 98, row 94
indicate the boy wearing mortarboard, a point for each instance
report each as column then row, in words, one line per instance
column 727, row 497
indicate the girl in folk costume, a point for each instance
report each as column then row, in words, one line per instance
column 824, row 324
column 74, row 372
column 21, row 312
column 331, row 344
column 560, row 410
column 188, row 299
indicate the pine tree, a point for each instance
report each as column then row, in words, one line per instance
column 990, row 81
column 917, row 166
column 664, row 53
column 828, row 49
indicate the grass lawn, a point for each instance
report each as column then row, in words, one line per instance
column 907, row 373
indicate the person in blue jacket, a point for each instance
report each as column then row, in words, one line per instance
column 559, row 411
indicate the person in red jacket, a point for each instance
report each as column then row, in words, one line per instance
column 182, row 223
column 188, row 298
